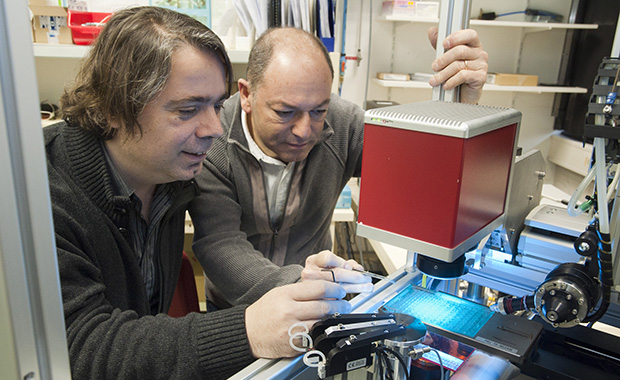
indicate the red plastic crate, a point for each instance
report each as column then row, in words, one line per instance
column 84, row 25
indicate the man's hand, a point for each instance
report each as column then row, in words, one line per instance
column 327, row 266
column 463, row 63
column 267, row 321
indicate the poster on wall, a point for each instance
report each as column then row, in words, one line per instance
column 198, row 9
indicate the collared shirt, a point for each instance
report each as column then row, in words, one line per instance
column 277, row 175
column 144, row 235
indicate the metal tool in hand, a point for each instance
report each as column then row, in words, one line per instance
column 363, row 272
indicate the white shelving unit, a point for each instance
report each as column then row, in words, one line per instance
column 496, row 23
column 487, row 87
column 59, row 51
column 57, row 65
column 528, row 27
column 79, row 51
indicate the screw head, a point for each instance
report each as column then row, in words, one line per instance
column 583, row 246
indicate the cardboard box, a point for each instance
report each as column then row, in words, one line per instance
column 49, row 24
column 410, row 8
column 502, row 79
column 427, row 9
column 398, row 8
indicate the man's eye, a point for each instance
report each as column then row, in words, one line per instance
column 218, row 107
column 283, row 113
column 185, row 112
column 318, row 114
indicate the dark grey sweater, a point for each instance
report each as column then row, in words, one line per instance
column 110, row 333
column 242, row 253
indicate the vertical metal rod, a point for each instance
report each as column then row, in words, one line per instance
column 453, row 16
column 615, row 48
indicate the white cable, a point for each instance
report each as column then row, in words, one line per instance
column 306, row 345
column 298, row 324
column 572, row 208
column 313, row 362
column 307, row 342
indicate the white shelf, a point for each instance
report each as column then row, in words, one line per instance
column 60, row 50
column 495, row 23
column 79, row 51
column 343, row 215
column 487, row 87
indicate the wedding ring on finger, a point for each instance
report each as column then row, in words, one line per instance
column 465, row 61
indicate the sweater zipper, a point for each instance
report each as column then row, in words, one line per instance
column 274, row 237
column 276, row 229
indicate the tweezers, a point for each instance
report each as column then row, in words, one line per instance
column 373, row 275
column 363, row 272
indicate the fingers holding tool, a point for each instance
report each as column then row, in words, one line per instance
column 327, row 266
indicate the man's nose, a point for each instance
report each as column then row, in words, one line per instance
column 302, row 127
column 210, row 124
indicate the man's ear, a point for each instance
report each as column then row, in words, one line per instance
column 245, row 94
column 114, row 126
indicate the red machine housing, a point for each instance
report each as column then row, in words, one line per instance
column 435, row 175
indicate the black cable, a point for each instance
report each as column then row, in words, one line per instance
column 386, row 364
column 401, row 360
column 382, row 353
column 606, row 276
column 380, row 365
column 348, row 241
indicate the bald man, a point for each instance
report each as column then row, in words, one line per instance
column 271, row 182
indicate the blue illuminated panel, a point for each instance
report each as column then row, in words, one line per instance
column 440, row 310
